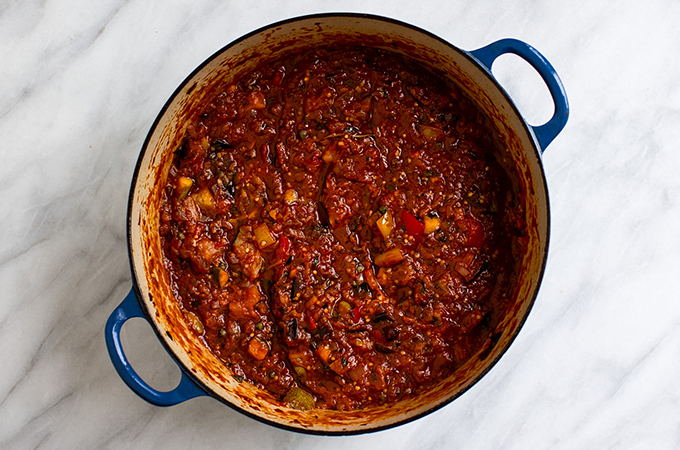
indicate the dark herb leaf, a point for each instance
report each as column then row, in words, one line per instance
column 292, row 329
column 381, row 317
column 323, row 215
column 382, row 348
column 294, row 289
column 222, row 144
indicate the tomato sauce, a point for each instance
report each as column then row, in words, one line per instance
column 338, row 228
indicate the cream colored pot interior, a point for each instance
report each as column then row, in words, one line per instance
column 244, row 55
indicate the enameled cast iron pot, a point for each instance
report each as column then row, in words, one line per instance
column 151, row 296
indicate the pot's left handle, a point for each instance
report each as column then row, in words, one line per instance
column 128, row 309
column 548, row 131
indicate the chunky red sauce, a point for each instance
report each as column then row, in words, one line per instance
column 338, row 229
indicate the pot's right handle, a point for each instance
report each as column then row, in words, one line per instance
column 128, row 309
column 548, row 131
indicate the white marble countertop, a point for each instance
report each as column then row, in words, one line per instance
column 597, row 364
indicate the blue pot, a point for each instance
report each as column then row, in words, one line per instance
column 151, row 297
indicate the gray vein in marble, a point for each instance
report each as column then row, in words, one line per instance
column 31, row 423
column 44, row 439
column 57, row 53
column 30, row 364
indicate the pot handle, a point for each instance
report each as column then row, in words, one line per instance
column 128, row 309
column 548, row 131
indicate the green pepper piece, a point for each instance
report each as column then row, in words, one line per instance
column 297, row 398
